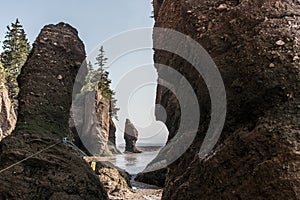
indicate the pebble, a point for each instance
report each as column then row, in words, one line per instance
column 271, row 65
column 59, row 77
column 209, row 26
column 296, row 58
column 221, row 7
column 280, row 43
column 277, row 4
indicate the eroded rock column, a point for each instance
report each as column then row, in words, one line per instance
column 46, row 84
column 130, row 136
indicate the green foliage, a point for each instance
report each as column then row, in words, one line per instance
column 15, row 51
column 98, row 79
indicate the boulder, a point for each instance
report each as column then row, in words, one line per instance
column 130, row 136
column 35, row 161
column 256, row 51
column 113, row 178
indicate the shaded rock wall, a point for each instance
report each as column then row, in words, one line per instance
column 255, row 45
column 112, row 138
column 157, row 177
column 8, row 117
column 46, row 82
column 130, row 136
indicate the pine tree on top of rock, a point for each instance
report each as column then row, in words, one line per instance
column 98, row 79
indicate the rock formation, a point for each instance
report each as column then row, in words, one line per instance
column 115, row 180
column 94, row 125
column 130, row 136
column 112, row 138
column 157, row 177
column 7, row 114
column 255, row 45
column 51, row 169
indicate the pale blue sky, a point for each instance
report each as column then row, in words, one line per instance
column 98, row 21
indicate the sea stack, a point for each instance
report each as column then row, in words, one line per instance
column 130, row 136
column 35, row 162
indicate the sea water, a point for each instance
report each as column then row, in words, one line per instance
column 134, row 163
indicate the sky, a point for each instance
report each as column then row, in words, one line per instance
column 105, row 23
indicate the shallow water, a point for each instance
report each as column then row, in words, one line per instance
column 134, row 163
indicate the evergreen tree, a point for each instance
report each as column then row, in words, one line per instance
column 15, row 51
column 98, row 79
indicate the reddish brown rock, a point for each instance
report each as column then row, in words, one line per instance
column 94, row 126
column 51, row 169
column 7, row 114
column 258, row 155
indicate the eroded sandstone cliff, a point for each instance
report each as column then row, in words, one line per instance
column 7, row 114
column 255, row 45
column 51, row 169
column 94, row 128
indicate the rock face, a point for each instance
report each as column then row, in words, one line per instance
column 255, row 45
column 112, row 138
column 7, row 115
column 114, row 179
column 130, row 136
column 52, row 169
column 94, row 125
column 157, row 177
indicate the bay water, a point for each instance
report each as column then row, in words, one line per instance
column 134, row 163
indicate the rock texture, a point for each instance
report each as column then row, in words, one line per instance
column 115, row 180
column 157, row 177
column 7, row 114
column 130, row 136
column 94, row 126
column 112, row 138
column 255, row 45
column 52, row 169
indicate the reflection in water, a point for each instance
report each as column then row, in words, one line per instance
column 130, row 160
column 134, row 163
